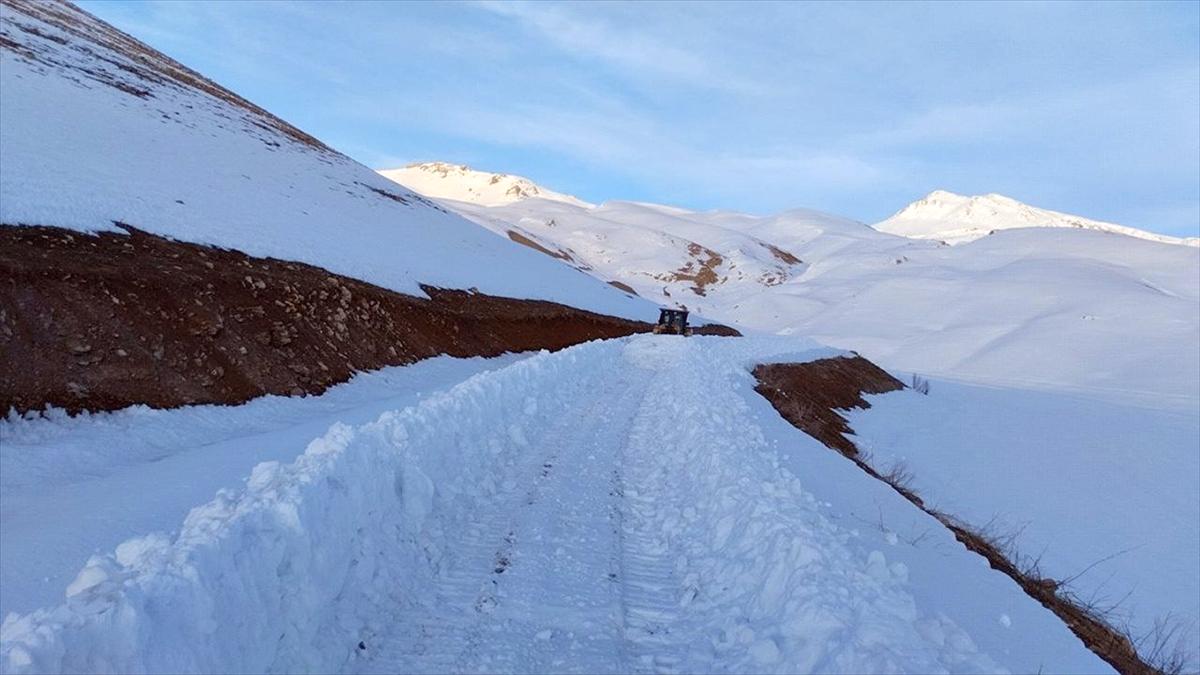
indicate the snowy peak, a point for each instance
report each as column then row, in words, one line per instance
column 958, row 219
column 462, row 183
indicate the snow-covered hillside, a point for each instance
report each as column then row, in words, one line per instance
column 1100, row 490
column 957, row 219
column 461, row 183
column 1036, row 307
column 96, row 127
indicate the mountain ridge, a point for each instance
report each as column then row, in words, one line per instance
column 443, row 180
column 940, row 215
column 958, row 219
column 977, row 311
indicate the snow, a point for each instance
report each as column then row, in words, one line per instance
column 625, row 505
column 1081, row 479
column 1051, row 308
column 957, row 219
column 185, row 164
column 73, row 486
column 461, row 183
column 1075, row 350
column 628, row 505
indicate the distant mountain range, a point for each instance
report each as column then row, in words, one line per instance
column 975, row 287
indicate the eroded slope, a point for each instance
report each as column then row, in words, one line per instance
column 99, row 322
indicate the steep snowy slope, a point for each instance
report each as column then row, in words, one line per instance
column 660, row 252
column 957, row 219
column 455, row 181
column 96, row 127
column 1037, row 306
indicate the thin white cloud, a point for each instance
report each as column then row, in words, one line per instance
column 635, row 52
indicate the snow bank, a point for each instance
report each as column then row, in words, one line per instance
column 281, row 575
column 778, row 584
column 71, row 486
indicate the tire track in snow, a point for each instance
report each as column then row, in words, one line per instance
column 545, row 546
column 653, row 595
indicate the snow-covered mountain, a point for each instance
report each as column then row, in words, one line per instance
column 461, row 183
column 621, row 505
column 213, row 168
column 957, row 219
column 1040, row 306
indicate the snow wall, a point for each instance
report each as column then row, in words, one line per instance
column 283, row 575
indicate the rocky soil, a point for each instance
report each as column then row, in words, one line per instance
column 100, row 322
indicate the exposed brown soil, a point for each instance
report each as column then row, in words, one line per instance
column 809, row 396
column 701, row 273
column 526, row 241
column 783, row 256
column 622, row 286
column 100, row 322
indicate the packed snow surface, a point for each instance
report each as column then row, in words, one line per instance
column 628, row 505
column 957, row 219
column 1051, row 308
column 89, row 136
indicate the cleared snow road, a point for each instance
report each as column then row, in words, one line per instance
column 621, row 506
column 648, row 531
column 534, row 581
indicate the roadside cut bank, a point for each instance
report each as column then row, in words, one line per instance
column 104, row 321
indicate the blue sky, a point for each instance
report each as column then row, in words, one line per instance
column 856, row 109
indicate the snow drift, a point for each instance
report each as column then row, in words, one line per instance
column 278, row 576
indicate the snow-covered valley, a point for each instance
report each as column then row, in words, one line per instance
column 350, row 498
column 1044, row 307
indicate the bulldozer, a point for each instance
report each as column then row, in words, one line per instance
column 672, row 322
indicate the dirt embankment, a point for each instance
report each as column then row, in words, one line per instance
column 100, row 322
column 809, row 396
